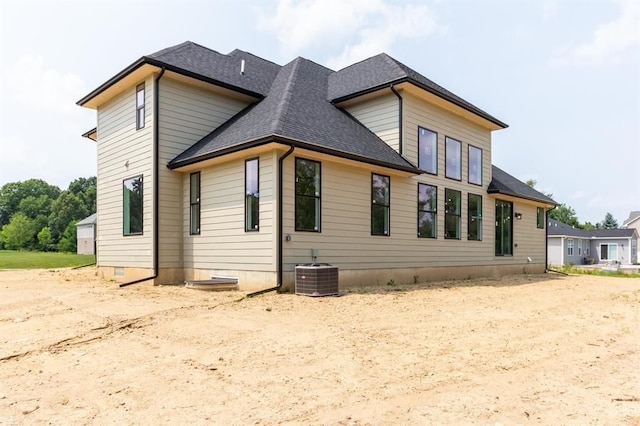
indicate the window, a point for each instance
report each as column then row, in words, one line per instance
column 475, row 165
column 540, row 218
column 380, row 204
column 570, row 247
column 579, row 247
column 428, row 151
column 307, row 195
column 194, row 203
column 252, row 196
column 587, row 248
column 474, row 219
column 452, row 212
column 427, row 206
column 504, row 228
column 453, row 158
column 140, row 106
column 132, row 206
column 608, row 252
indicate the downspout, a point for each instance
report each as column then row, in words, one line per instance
column 546, row 240
column 395, row 92
column 156, row 181
column 280, row 227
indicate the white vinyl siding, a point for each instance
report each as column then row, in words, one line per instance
column 381, row 116
column 187, row 114
column 124, row 152
column 223, row 243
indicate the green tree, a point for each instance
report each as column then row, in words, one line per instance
column 19, row 233
column 565, row 214
column 609, row 222
column 85, row 189
column 588, row 226
column 11, row 194
column 68, row 241
column 67, row 208
column 45, row 241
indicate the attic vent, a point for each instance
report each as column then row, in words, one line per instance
column 242, row 67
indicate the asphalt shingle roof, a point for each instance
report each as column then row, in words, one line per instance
column 503, row 183
column 296, row 110
column 632, row 217
column 559, row 228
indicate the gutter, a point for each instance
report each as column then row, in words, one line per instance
column 395, row 92
column 280, row 226
column 156, row 181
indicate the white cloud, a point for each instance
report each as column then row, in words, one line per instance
column 359, row 28
column 613, row 39
column 32, row 83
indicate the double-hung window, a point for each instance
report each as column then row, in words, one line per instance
column 132, row 203
column 452, row 213
column 475, row 165
column 579, row 247
column 380, row 204
column 453, row 158
column 427, row 206
column 540, row 218
column 194, row 203
column 307, row 195
column 428, row 151
column 140, row 106
column 474, row 217
column 570, row 247
column 252, row 195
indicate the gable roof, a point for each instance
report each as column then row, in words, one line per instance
column 382, row 71
column 503, row 183
column 633, row 216
column 296, row 112
column 557, row 228
column 89, row 220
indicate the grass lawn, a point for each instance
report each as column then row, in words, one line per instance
column 10, row 259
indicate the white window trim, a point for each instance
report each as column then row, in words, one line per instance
column 608, row 250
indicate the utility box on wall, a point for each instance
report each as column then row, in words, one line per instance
column 317, row 279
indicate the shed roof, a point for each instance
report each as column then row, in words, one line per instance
column 503, row 183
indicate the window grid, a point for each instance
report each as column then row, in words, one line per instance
column 570, row 247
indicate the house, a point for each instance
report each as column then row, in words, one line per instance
column 568, row 245
column 86, row 235
column 633, row 221
column 229, row 165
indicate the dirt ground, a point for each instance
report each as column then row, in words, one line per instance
column 552, row 349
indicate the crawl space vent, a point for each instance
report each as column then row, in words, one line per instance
column 317, row 279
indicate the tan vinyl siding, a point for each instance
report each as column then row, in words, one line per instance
column 187, row 114
column 381, row 116
column 124, row 152
column 223, row 244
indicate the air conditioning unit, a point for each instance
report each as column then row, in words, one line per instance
column 317, row 279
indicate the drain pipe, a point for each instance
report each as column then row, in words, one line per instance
column 280, row 226
column 395, row 92
column 156, row 180
column 546, row 240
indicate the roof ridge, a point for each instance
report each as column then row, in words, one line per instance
column 252, row 54
column 282, row 109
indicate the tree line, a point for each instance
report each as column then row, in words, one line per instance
column 566, row 214
column 35, row 215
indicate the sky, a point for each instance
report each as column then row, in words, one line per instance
column 564, row 74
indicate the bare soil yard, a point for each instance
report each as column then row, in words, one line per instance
column 76, row 349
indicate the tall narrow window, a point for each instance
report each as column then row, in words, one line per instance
column 474, row 217
column 579, row 247
column 140, row 106
column 252, row 196
column 504, row 228
column 428, row 151
column 540, row 218
column 194, row 203
column 427, row 206
column 307, row 195
column 452, row 213
column 132, row 206
column 570, row 247
column 380, row 204
column 587, row 248
column 475, row 165
column 453, row 159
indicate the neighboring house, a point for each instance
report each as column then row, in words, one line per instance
column 230, row 165
column 633, row 221
column 86, row 235
column 568, row 245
